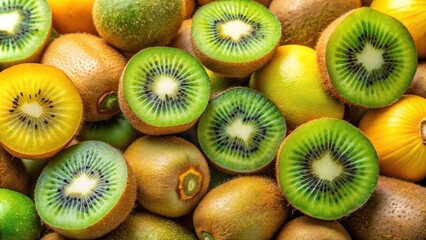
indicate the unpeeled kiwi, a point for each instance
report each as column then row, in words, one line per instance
column 418, row 85
column 302, row 21
column 171, row 173
column 85, row 191
column 25, row 28
column 234, row 37
column 366, row 58
column 308, row 228
column 145, row 225
column 13, row 174
column 40, row 110
column 246, row 207
column 94, row 68
column 396, row 210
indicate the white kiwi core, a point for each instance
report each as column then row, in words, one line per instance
column 81, row 186
column 9, row 21
column 166, row 86
column 33, row 109
column 240, row 130
column 370, row 57
column 236, row 30
column 326, row 168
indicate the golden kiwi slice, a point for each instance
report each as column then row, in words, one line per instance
column 40, row 110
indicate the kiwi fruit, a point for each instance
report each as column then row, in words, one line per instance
column 182, row 39
column 134, row 25
column 40, row 110
column 95, row 69
column 418, row 85
column 246, row 207
column 241, row 130
column 18, row 216
column 327, row 168
column 366, row 58
column 308, row 228
column 163, row 90
column 85, row 191
column 25, row 27
column 145, row 225
column 302, row 21
column 13, row 174
column 204, row 2
column 171, row 173
column 396, row 210
column 234, row 37
column 53, row 236
column 116, row 131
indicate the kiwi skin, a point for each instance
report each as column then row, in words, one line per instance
column 307, row 228
column 246, row 207
column 182, row 40
column 396, row 210
column 302, row 21
column 13, row 174
column 418, row 85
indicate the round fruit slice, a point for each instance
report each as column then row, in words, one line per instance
column 327, row 168
column 241, row 130
column 86, row 190
column 25, row 27
column 40, row 110
column 234, row 37
column 163, row 90
column 367, row 58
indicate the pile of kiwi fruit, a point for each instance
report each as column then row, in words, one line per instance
column 149, row 129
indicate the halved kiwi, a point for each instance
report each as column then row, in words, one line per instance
column 327, row 168
column 40, row 110
column 234, row 37
column 163, row 90
column 366, row 58
column 25, row 27
column 85, row 191
column 241, row 130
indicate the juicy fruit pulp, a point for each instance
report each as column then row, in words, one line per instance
column 327, row 168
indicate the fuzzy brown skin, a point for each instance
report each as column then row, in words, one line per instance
column 54, row 236
column 308, row 228
column 158, row 161
column 418, row 85
column 321, row 49
column 115, row 217
column 92, row 65
column 182, row 39
column 302, row 21
column 189, row 8
column 13, row 174
column 248, row 207
column 396, row 210
column 264, row 2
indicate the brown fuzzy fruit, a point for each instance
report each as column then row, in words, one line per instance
column 13, row 174
column 418, row 85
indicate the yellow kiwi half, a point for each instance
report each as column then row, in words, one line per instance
column 40, row 110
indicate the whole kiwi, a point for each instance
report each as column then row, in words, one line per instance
column 396, row 210
column 13, row 174
column 418, row 85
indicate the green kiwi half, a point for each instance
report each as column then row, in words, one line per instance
column 234, row 37
column 366, row 58
column 85, row 191
column 327, row 168
column 25, row 27
column 241, row 130
column 163, row 90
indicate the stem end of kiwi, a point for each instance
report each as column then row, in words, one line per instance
column 206, row 236
column 423, row 130
column 108, row 102
column 190, row 182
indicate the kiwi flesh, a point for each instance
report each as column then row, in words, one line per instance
column 234, row 37
column 85, row 191
column 163, row 90
column 366, row 58
column 396, row 210
column 246, row 207
column 40, row 110
column 171, row 173
column 327, row 168
column 302, row 21
column 241, row 130
column 25, row 28
column 308, row 228
column 134, row 25
column 93, row 66
column 145, row 225
column 418, row 85
column 13, row 174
